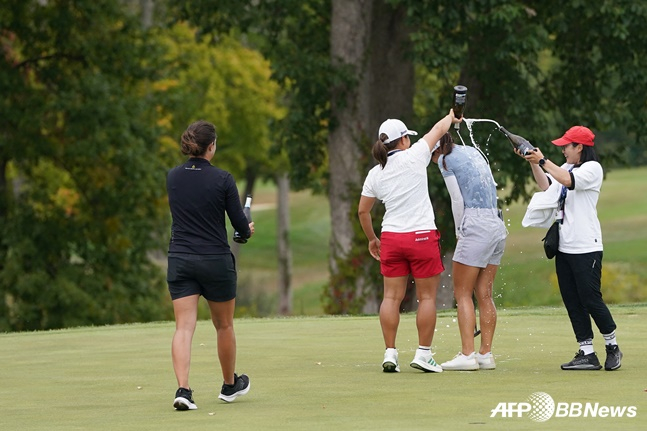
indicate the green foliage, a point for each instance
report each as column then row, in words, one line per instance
column 94, row 111
column 536, row 71
column 621, row 284
column 81, row 143
column 298, row 44
column 225, row 83
column 494, row 49
column 599, row 78
column 294, row 36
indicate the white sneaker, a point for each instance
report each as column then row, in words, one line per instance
column 486, row 362
column 390, row 363
column 424, row 360
column 461, row 363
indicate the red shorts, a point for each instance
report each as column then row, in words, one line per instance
column 416, row 253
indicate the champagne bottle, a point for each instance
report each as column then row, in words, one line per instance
column 518, row 142
column 247, row 209
column 460, row 97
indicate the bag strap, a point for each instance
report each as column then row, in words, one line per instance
column 561, row 201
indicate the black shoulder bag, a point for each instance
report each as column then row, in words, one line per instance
column 551, row 240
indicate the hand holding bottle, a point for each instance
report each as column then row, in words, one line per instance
column 519, row 143
column 247, row 209
column 533, row 156
column 458, row 102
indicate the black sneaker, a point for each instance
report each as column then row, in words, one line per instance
column 184, row 400
column 583, row 362
column 614, row 356
column 240, row 387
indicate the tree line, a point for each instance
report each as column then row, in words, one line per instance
column 96, row 94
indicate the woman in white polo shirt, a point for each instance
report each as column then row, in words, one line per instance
column 408, row 243
column 578, row 262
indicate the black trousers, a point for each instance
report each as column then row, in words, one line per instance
column 579, row 277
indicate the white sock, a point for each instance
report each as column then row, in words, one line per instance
column 586, row 346
column 423, row 351
column 610, row 339
column 470, row 356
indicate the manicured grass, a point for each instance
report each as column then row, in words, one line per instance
column 313, row 373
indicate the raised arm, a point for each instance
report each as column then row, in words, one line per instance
column 440, row 128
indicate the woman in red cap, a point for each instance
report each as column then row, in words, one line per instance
column 578, row 262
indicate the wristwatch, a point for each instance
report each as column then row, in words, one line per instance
column 542, row 162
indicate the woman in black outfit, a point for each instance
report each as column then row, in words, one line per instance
column 199, row 259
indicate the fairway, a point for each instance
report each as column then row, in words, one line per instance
column 314, row 373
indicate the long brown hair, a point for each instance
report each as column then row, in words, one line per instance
column 446, row 146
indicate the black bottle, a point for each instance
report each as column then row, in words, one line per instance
column 247, row 209
column 458, row 104
column 460, row 97
column 518, row 142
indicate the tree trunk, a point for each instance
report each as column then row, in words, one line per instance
column 4, row 206
column 283, row 243
column 369, row 40
column 4, row 191
column 350, row 33
column 147, row 8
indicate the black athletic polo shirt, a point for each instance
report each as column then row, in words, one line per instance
column 199, row 194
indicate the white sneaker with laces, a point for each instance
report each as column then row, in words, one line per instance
column 486, row 362
column 390, row 363
column 461, row 363
column 424, row 360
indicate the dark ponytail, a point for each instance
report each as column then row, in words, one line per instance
column 381, row 149
column 446, row 146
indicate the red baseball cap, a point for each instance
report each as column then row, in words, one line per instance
column 576, row 135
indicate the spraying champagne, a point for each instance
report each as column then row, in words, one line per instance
column 518, row 142
column 247, row 209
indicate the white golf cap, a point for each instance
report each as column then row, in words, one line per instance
column 435, row 146
column 394, row 129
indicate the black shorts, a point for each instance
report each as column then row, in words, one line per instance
column 212, row 276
